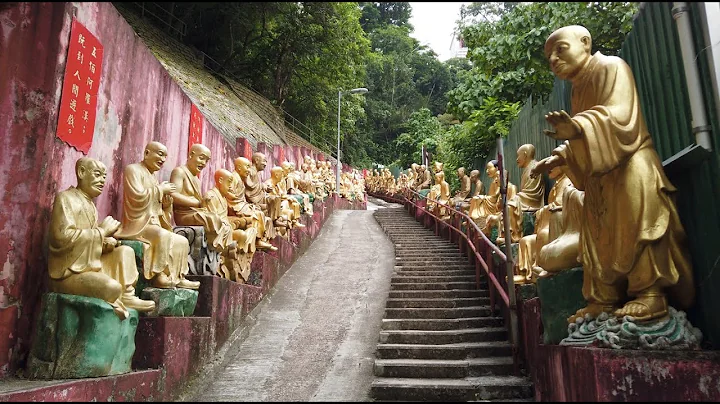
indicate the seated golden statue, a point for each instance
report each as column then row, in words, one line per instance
column 437, row 167
column 476, row 188
column 530, row 198
column 292, row 185
column 257, row 192
column 289, row 207
column 425, row 178
column 439, row 192
column 464, row 190
column 234, row 266
column 243, row 214
column 632, row 240
column 484, row 210
column 147, row 207
column 84, row 259
column 548, row 221
column 187, row 205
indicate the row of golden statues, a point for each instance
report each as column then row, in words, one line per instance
column 240, row 215
column 611, row 209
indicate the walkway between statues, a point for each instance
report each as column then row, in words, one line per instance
column 314, row 337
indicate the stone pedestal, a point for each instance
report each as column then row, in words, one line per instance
column 560, row 297
column 171, row 302
column 78, row 337
column 203, row 260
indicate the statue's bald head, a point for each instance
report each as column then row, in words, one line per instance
column 197, row 149
column 259, row 161
column 525, row 154
column 277, row 172
column 154, row 156
column 568, row 50
column 242, row 166
column 474, row 174
column 222, row 175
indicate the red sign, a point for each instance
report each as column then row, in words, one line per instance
column 281, row 156
column 76, row 120
column 248, row 150
column 196, row 124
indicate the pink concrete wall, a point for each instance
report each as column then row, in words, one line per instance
column 137, row 102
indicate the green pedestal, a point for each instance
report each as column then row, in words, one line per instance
column 528, row 224
column 139, row 249
column 78, row 337
column 171, row 302
column 560, row 297
column 526, row 291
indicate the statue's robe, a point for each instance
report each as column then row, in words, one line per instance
column 217, row 230
column 562, row 251
column 292, row 184
column 216, row 203
column 145, row 220
column 76, row 247
column 255, row 194
column 548, row 221
column 464, row 191
column 287, row 203
column 530, row 198
column 630, row 225
column 478, row 188
column 240, row 207
column 426, row 180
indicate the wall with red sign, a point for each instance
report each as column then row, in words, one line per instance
column 47, row 76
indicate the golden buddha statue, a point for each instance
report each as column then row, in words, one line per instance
column 234, row 266
column 462, row 194
column 292, row 185
column 548, row 221
column 258, row 193
column 187, row 205
column 439, row 192
column 243, row 214
column 147, row 207
column 484, row 209
column 425, row 177
column 290, row 212
column 476, row 188
column 632, row 241
column 530, row 198
column 84, row 259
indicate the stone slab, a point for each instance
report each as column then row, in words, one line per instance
column 202, row 260
column 560, row 297
column 171, row 302
column 78, row 336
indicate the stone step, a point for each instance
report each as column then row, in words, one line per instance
column 438, row 294
column 467, row 389
column 433, row 258
column 434, row 267
column 462, row 350
column 427, row 252
column 437, row 303
column 440, row 337
column 441, row 323
column 441, row 251
column 433, row 286
column 425, row 313
column 444, row 369
column 429, row 278
column 450, row 272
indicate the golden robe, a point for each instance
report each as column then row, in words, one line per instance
column 76, row 242
column 464, row 191
column 145, row 220
column 255, row 194
column 216, row 203
column 631, row 229
column 240, row 207
column 217, row 230
column 479, row 188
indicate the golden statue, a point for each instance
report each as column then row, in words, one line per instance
column 147, row 207
column 548, row 221
column 84, row 258
column 425, row 178
column 187, row 199
column 256, row 192
column 243, row 214
column 234, row 266
column 632, row 241
column 290, row 211
column 439, row 192
column 529, row 199
column 292, row 183
column 484, row 209
column 462, row 194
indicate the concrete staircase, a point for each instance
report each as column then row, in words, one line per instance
column 439, row 341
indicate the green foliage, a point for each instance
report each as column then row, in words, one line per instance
column 423, row 129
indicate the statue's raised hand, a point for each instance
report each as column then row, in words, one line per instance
column 565, row 127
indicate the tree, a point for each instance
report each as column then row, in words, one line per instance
column 378, row 14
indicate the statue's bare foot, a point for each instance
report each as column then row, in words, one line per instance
column 264, row 245
column 593, row 309
column 645, row 307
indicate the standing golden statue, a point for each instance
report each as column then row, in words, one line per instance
column 147, row 207
column 462, row 194
column 439, row 192
column 84, row 258
column 632, row 241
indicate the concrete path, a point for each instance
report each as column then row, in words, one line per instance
column 315, row 337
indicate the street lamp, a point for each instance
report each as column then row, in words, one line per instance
column 361, row 90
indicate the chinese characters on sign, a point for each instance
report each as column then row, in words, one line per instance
column 76, row 120
column 196, row 125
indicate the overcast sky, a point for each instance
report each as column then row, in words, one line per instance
column 434, row 24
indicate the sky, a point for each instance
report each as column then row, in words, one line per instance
column 434, row 24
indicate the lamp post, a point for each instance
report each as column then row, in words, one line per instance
column 361, row 90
